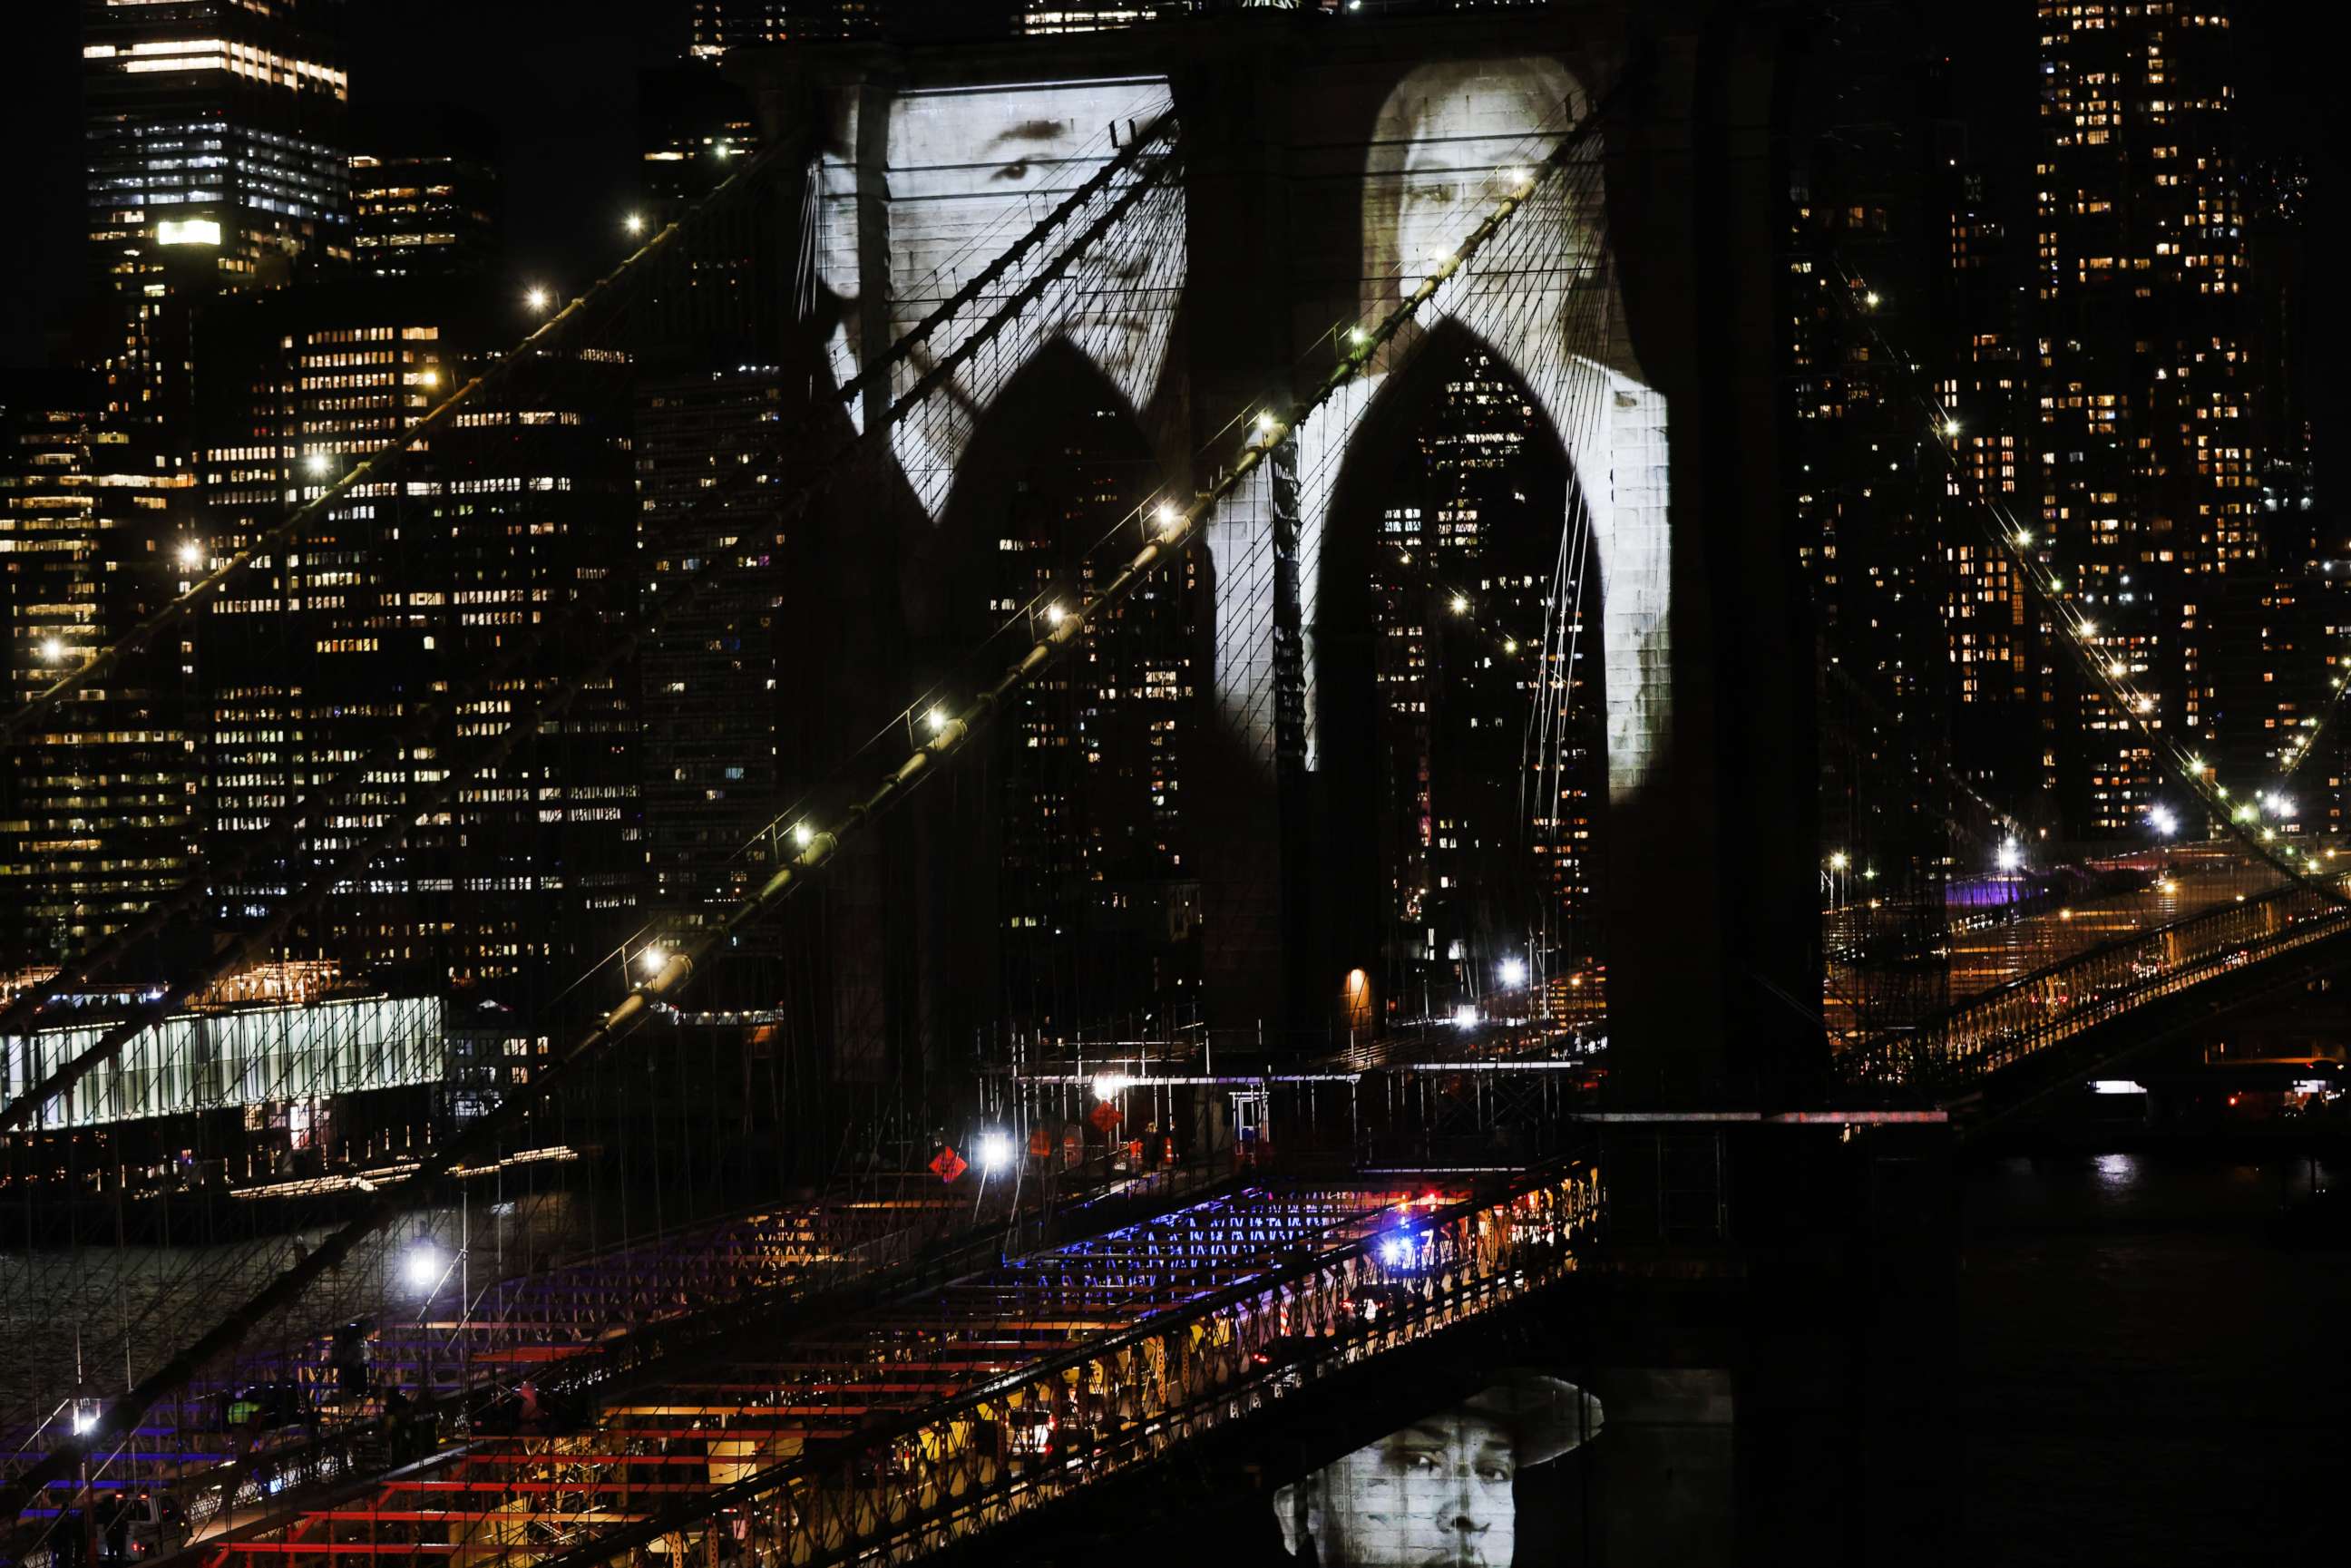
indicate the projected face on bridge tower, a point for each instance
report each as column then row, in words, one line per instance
column 1440, row 1490
column 962, row 175
column 1448, row 143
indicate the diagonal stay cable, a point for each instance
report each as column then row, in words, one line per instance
column 292, row 819
column 951, row 732
column 684, row 592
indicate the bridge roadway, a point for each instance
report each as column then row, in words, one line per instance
column 2234, row 936
column 931, row 1418
column 437, row 1353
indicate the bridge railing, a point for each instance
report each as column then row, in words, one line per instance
column 2004, row 1025
column 955, row 1469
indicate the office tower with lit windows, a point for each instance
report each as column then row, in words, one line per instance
column 96, row 813
column 404, row 596
column 712, row 27
column 716, row 674
column 2145, row 437
column 217, row 160
column 427, row 211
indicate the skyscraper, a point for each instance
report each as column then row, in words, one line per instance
column 404, row 595
column 2149, row 467
column 96, row 813
column 423, row 213
column 217, row 160
column 714, row 676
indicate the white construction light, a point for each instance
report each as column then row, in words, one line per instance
column 424, row 1266
column 2012, row 855
column 1514, row 972
column 995, row 1151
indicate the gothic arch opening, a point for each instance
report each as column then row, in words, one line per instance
column 1079, row 908
column 1459, row 796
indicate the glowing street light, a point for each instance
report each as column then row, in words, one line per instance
column 1509, row 644
column 2163, row 821
column 319, row 464
column 1460, row 604
column 1267, row 423
column 1170, row 519
column 1870, row 299
column 1951, row 427
column 52, row 650
column 2089, row 630
column 2117, row 669
column 1839, row 860
column 539, row 300
column 1514, row 972
column 428, row 378
column 2024, row 539
column 802, row 834
column 191, row 554
column 635, row 223
column 1054, row 614
column 1109, row 1086
column 1465, row 1016
column 938, row 720
column 1358, row 336
column 651, row 959
column 993, row 1150
column 2012, row 855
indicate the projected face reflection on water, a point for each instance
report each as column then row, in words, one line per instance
column 1441, row 1490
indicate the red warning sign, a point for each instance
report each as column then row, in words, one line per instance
column 948, row 1164
column 1105, row 1116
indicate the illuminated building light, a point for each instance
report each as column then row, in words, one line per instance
column 188, row 230
column 1465, row 1016
column 52, row 650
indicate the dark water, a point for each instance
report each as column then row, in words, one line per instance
column 2151, row 1375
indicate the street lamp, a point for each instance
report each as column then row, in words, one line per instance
column 995, row 1151
column 1514, row 973
column 537, row 299
column 318, row 464
column 635, row 223
column 651, row 959
column 2012, row 855
column 191, row 554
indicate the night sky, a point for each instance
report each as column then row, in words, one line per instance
column 556, row 80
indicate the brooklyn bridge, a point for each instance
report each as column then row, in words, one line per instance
column 965, row 973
